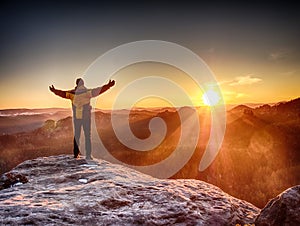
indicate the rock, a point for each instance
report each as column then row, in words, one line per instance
column 12, row 179
column 113, row 195
column 282, row 210
column 83, row 181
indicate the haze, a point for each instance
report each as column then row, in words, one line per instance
column 253, row 49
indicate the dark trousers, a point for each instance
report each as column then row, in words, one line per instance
column 84, row 123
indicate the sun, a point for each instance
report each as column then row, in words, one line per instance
column 211, row 98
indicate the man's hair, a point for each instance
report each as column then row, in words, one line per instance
column 79, row 82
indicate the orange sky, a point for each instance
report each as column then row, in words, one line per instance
column 252, row 51
column 268, row 86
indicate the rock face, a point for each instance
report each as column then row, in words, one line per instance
column 62, row 191
column 11, row 179
column 282, row 210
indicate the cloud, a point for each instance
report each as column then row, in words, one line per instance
column 239, row 95
column 233, row 94
column 224, row 82
column 288, row 73
column 244, row 80
column 279, row 54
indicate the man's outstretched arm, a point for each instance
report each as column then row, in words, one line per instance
column 57, row 92
column 102, row 89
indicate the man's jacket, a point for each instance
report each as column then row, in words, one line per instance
column 80, row 97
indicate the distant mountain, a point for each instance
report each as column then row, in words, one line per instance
column 240, row 108
column 25, row 111
column 259, row 157
column 238, row 111
column 25, row 120
column 282, row 111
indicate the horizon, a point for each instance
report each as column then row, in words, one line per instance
column 230, row 106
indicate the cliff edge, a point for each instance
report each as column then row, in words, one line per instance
column 60, row 190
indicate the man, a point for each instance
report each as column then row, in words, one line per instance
column 80, row 97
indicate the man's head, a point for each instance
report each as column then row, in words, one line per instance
column 79, row 82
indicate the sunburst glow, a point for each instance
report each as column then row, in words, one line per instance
column 211, row 98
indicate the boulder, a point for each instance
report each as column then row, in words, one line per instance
column 62, row 190
column 282, row 210
column 10, row 179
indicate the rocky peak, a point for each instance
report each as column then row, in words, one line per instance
column 282, row 210
column 63, row 190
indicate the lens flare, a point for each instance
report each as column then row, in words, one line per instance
column 211, row 98
column 176, row 56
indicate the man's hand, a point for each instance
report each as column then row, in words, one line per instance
column 58, row 92
column 111, row 83
column 52, row 89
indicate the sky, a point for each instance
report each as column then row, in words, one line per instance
column 251, row 48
